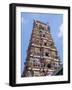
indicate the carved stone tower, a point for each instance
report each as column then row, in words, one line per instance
column 42, row 56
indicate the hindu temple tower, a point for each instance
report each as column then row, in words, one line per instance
column 42, row 56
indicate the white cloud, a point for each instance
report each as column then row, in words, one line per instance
column 60, row 31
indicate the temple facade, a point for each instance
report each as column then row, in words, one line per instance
column 42, row 56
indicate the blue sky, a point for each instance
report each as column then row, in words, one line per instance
column 56, row 23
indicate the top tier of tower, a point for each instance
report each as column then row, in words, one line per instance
column 40, row 25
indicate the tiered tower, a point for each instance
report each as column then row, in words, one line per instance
column 42, row 56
